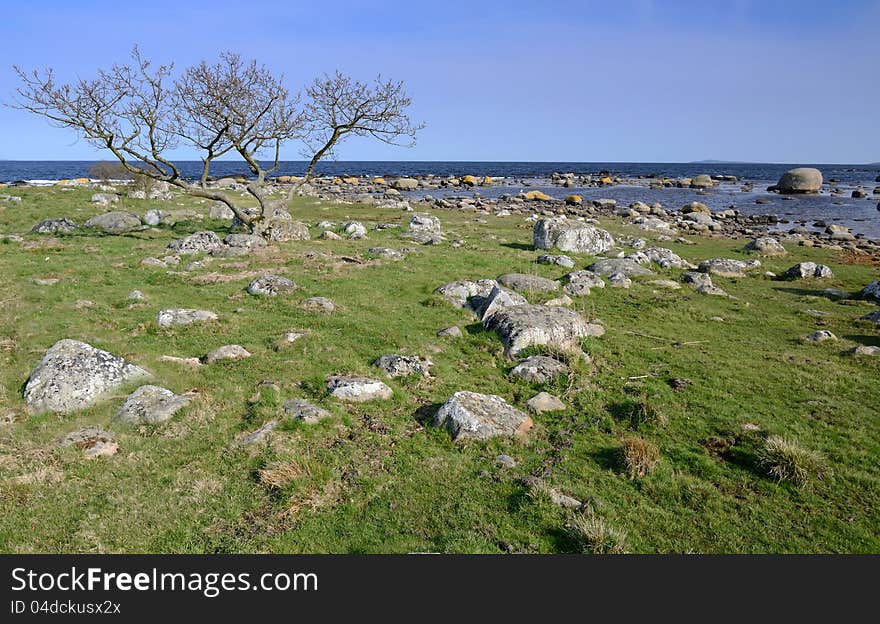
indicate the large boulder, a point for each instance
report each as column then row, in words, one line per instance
column 800, row 180
column 809, row 270
column 116, row 222
column 405, row 184
column 150, row 404
column 474, row 416
column 523, row 326
column 571, row 236
column 73, row 375
column 195, row 243
column 498, row 298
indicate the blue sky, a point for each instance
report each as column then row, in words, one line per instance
column 639, row 80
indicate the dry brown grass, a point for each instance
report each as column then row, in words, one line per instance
column 786, row 460
column 638, row 456
column 598, row 537
column 859, row 258
column 280, row 474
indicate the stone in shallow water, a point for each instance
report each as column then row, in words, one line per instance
column 525, row 326
column 150, row 404
column 305, row 411
column 73, row 375
column 474, row 416
column 357, row 389
column 182, row 316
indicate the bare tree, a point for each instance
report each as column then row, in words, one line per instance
column 140, row 113
column 338, row 107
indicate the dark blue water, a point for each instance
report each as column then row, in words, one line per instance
column 861, row 215
column 11, row 170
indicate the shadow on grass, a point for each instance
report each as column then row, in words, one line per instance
column 425, row 414
column 868, row 341
column 520, row 246
column 806, row 292
column 608, row 457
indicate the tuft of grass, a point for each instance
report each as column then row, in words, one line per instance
column 638, row 456
column 596, row 536
column 641, row 411
column 786, row 460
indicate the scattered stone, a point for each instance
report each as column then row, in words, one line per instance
column 260, row 435
column 528, row 283
column 450, row 332
column 227, row 352
column 304, row 411
column 94, row 441
column 136, row 295
column 711, row 289
column 396, row 365
column 874, row 317
column 150, row 404
column 556, row 497
column 808, row 270
column 219, row 210
column 183, row 316
column 45, row 281
column 318, row 304
column 667, row 284
column 619, row 280
column 627, row 266
column 245, row 241
column 460, row 293
column 385, row 252
column 866, row 350
column 270, row 285
column 524, row 326
column 472, row 416
column 767, row 246
column 580, row 283
column 74, row 375
column 571, row 236
column 559, row 260
column 545, row 402
column 539, row 369
column 195, row 243
column 55, row 226
column 726, row 267
column 871, row 291
column 506, row 461
column 191, row 361
column 696, row 279
column 425, row 229
column 819, row 336
column 357, row 389
column 679, row 383
column 117, row 222
column 355, row 230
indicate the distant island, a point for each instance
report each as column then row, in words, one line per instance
column 720, row 162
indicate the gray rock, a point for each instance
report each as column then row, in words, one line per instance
column 450, row 332
column 136, row 295
column 357, row 389
column 726, row 267
column 580, row 283
column 74, row 375
column 559, row 260
column 279, row 229
column 819, row 336
column 528, row 283
column 545, row 402
column 871, row 291
column 808, row 270
column 499, row 298
column 473, row 416
column 874, row 317
column 767, row 246
column 627, row 266
column 318, row 304
column 459, row 293
column 667, row 284
column 355, row 229
column 539, row 369
column 219, row 210
column 800, row 180
column 665, row 258
column 55, row 226
column 227, row 352
column 270, row 285
column 94, row 441
column 182, row 316
column 104, row 199
column 247, row 241
column 405, row 184
column 150, row 404
column 571, row 236
column 866, row 350
column 385, row 252
column 697, row 279
column 711, row 289
column 396, row 365
column 304, row 411
column 619, row 280
column 116, row 222
column 525, row 326
column 260, row 435
column 195, row 243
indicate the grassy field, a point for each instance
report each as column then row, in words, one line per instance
column 377, row 477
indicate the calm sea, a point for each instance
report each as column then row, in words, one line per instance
column 862, row 215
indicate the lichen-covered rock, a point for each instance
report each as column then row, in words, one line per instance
column 74, row 375
column 459, row 293
column 270, row 285
column 697, row 279
column 357, row 389
column 580, row 283
column 355, row 229
column 281, row 229
column 318, row 304
column 536, row 196
column 227, row 352
column 246, row 241
column 116, row 222
column 809, row 270
column 299, row 409
column 396, row 365
column 767, row 246
column 195, row 243
column 627, row 266
column 474, row 416
column 183, row 316
column 559, row 260
column 529, row 283
column 539, row 369
column 150, row 404
column 665, row 258
column 726, row 267
column 571, row 236
column 55, row 226
column 484, row 307
column 525, row 326
column 93, row 441
column 545, row 402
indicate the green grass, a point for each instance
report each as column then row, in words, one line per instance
column 375, row 477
